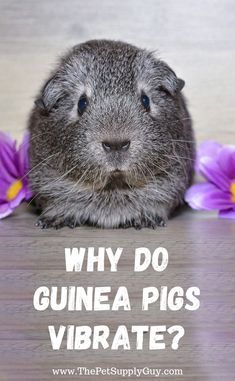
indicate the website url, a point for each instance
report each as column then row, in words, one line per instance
column 114, row 371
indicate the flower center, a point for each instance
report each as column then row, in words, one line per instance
column 15, row 188
column 232, row 190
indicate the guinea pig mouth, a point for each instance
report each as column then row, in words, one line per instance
column 121, row 180
column 116, row 180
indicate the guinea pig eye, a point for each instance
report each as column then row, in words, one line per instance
column 82, row 104
column 145, row 102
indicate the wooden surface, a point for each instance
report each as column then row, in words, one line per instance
column 197, row 39
column 201, row 253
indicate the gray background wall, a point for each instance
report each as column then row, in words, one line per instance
column 197, row 38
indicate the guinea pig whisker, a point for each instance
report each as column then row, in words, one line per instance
column 182, row 141
column 37, row 165
column 183, row 162
column 141, row 168
column 45, row 186
column 62, row 176
column 99, row 180
column 180, row 120
column 153, row 178
column 164, row 170
column 34, row 137
column 149, row 171
column 169, row 177
column 180, row 157
column 79, row 181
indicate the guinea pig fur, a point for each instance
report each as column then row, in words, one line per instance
column 111, row 140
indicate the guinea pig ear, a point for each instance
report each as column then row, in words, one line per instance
column 50, row 94
column 170, row 82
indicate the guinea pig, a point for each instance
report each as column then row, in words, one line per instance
column 111, row 139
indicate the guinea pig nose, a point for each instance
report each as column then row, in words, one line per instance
column 116, row 145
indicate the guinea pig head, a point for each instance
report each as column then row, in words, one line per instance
column 113, row 111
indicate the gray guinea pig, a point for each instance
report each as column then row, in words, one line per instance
column 111, row 141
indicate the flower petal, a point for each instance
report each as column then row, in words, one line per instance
column 4, row 187
column 28, row 193
column 228, row 213
column 208, row 197
column 23, row 165
column 210, row 169
column 5, row 175
column 6, row 138
column 226, row 161
column 5, row 210
column 209, row 149
column 18, row 199
column 8, row 155
column 13, row 168
column 23, row 156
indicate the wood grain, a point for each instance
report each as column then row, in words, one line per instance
column 197, row 39
column 201, row 253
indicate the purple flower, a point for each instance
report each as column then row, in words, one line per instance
column 217, row 164
column 14, row 166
